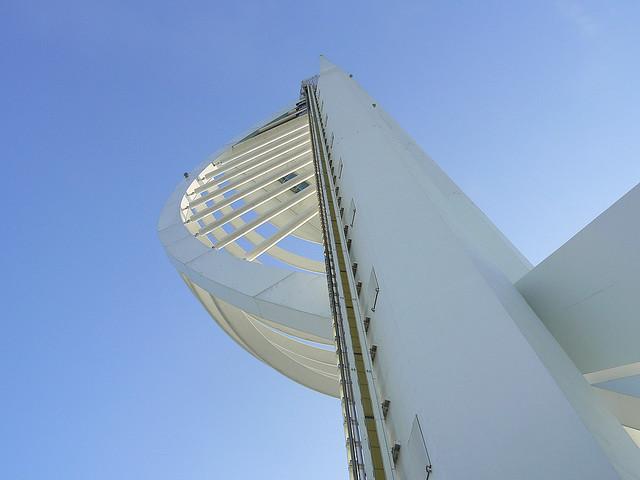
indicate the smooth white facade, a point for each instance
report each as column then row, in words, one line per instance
column 457, row 344
column 587, row 293
column 471, row 342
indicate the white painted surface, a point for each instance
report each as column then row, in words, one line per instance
column 457, row 343
column 588, row 291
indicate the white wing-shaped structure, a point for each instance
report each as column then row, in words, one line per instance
column 587, row 293
column 224, row 228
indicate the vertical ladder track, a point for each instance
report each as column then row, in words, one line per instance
column 366, row 459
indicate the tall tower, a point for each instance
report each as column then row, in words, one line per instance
column 328, row 245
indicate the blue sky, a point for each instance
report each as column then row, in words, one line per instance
column 110, row 369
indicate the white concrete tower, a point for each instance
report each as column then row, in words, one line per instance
column 327, row 244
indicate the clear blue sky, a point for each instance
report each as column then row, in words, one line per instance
column 110, row 368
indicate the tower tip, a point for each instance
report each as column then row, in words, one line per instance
column 326, row 64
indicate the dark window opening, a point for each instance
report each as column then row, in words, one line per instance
column 297, row 188
column 288, row 177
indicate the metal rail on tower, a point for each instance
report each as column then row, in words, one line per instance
column 363, row 433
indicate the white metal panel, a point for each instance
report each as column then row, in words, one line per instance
column 588, row 291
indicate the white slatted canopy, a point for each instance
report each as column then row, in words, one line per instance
column 228, row 225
